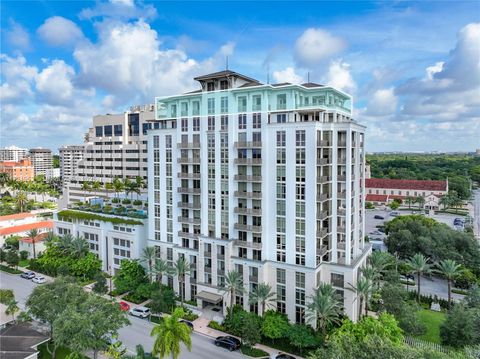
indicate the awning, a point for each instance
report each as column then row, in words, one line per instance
column 210, row 297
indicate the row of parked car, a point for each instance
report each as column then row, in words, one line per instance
column 33, row 277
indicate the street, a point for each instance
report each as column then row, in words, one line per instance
column 138, row 332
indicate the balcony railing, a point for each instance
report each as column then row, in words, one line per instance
column 248, row 144
column 188, row 190
column 252, row 245
column 241, row 194
column 243, row 210
column 322, row 161
column 186, row 234
column 322, row 197
column 207, row 254
column 189, row 160
column 247, row 227
column 253, row 279
column 322, row 232
column 341, row 245
column 342, row 160
column 188, row 145
column 189, row 220
column 188, row 175
column 248, row 161
column 341, row 211
column 342, row 194
column 188, row 205
column 248, row 178
column 323, row 179
column 322, row 250
column 323, row 143
column 341, row 229
column 342, row 143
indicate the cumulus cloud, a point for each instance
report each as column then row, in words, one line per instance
column 17, row 79
column 119, row 9
column 54, row 83
column 18, row 36
column 316, row 45
column 383, row 102
column 287, row 75
column 339, row 76
column 59, row 31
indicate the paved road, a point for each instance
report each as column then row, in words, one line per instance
column 136, row 333
column 434, row 286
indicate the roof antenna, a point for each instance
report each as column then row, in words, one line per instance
column 226, row 63
column 308, row 76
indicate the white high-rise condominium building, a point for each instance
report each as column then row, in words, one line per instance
column 69, row 158
column 115, row 146
column 42, row 160
column 266, row 180
column 13, row 153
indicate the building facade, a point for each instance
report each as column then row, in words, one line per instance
column 266, row 180
column 70, row 156
column 21, row 170
column 42, row 160
column 13, row 153
column 115, row 146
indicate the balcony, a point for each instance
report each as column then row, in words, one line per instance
column 189, row 220
column 188, row 145
column 186, row 234
column 247, row 178
column 341, row 194
column 342, row 160
column 248, row 144
column 188, row 190
column 323, row 214
column 253, row 278
column 220, row 271
column 188, row 175
column 323, row 179
column 322, row 232
column 323, row 143
column 241, row 194
column 322, row 197
column 341, row 229
column 322, row 250
column 188, row 205
column 247, row 244
column 207, row 254
column 341, row 178
column 248, row 161
column 248, row 227
column 208, row 269
column 322, row 161
column 189, row 161
column 341, row 245
column 220, row 256
column 341, row 211
column 243, row 210
column 341, row 143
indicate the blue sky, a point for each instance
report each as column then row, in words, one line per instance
column 412, row 67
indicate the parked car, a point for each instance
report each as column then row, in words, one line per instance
column 394, row 214
column 188, row 323
column 376, row 233
column 377, row 216
column 228, row 342
column 124, row 307
column 141, row 312
column 39, row 280
column 284, row 356
column 28, row 275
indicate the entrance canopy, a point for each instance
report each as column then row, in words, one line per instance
column 209, row 297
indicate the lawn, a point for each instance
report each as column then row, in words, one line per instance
column 432, row 321
column 24, row 263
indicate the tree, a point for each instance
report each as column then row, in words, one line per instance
column 169, row 334
column 130, row 275
column 410, row 201
column 461, row 326
column 162, row 267
column 445, row 201
column 33, row 235
column 96, row 186
column 363, row 289
column 100, row 286
column 419, row 265
column 21, row 200
column 275, row 325
column 450, row 270
column 148, row 258
column 6, row 296
column 162, row 301
column 117, row 186
column 79, row 247
column 421, row 202
column 301, row 337
column 324, row 308
column 182, row 267
column 394, row 205
column 140, row 184
column 233, row 284
column 12, row 258
column 262, row 294
column 86, row 187
column 139, row 354
column 65, row 243
column 250, row 331
column 12, row 308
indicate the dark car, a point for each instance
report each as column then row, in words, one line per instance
column 189, row 324
column 28, row 275
column 228, row 342
column 409, row 277
column 284, row 356
column 377, row 216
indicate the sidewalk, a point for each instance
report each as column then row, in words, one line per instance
column 200, row 326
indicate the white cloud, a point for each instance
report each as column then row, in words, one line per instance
column 17, row 79
column 339, row 76
column 383, row 102
column 316, row 45
column 119, row 9
column 54, row 83
column 18, row 36
column 59, row 31
column 287, row 75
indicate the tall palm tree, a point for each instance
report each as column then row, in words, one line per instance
column 86, row 186
column 129, row 186
column 182, row 267
column 140, row 183
column 118, row 186
column 363, row 290
column 50, row 238
column 3, row 179
column 324, row 307
column 169, row 334
column 108, row 186
column 421, row 201
column 262, row 295
column 21, row 200
column 96, row 186
column 148, row 257
column 372, row 274
column 12, row 308
column 445, row 201
column 160, row 268
column 419, row 265
column 33, row 235
column 450, row 270
column 233, row 284
column 79, row 247
column 410, row 200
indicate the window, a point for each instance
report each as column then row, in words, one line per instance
column 211, row 123
column 281, row 276
column 336, row 280
column 196, row 124
column 281, row 118
column 242, row 122
column 281, row 139
column 256, row 103
column 211, row 105
column 224, row 123
column 210, row 86
column 300, row 137
column 107, row 130
column 118, row 130
column 242, row 104
column 281, row 102
column 223, row 85
column 195, row 108
column 224, row 104
column 184, row 124
column 99, row 131
column 257, row 120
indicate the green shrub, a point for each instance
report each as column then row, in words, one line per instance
column 126, row 201
column 115, row 200
column 466, row 279
column 137, row 202
column 107, row 209
column 72, row 214
column 253, row 352
column 9, row 270
column 23, row 255
column 214, row 325
column 189, row 315
column 369, row 205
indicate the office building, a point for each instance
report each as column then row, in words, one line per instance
column 264, row 179
column 42, row 160
column 13, row 153
column 70, row 156
column 21, row 170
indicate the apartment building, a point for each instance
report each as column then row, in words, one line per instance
column 264, row 179
column 21, row 170
column 70, row 156
column 13, row 153
column 42, row 160
column 115, row 146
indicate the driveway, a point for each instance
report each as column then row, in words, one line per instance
column 434, row 286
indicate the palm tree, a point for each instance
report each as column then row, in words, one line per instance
column 130, row 187
column 182, row 267
column 148, row 257
column 419, row 265
column 140, row 184
column 79, row 247
column 33, row 234
column 108, row 186
column 421, row 201
column 50, row 238
column 372, row 274
column 450, row 270
column 12, row 308
column 117, row 186
column 3, row 179
column 363, row 290
column 410, row 200
column 233, row 284
column 445, row 201
column 162, row 267
column 65, row 243
column 324, row 307
column 21, row 200
column 169, row 334
column 96, row 186
column 262, row 295
column 86, row 186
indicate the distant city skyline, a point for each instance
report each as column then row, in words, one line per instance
column 412, row 67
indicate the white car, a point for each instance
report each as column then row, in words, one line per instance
column 39, row 280
column 141, row 312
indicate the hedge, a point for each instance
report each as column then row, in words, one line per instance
column 254, row 352
column 10, row 270
column 69, row 214
column 214, row 325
